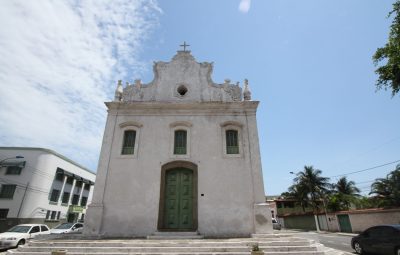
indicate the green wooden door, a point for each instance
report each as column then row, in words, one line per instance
column 344, row 223
column 178, row 209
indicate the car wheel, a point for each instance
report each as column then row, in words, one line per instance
column 21, row 242
column 358, row 248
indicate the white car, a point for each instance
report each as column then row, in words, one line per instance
column 67, row 228
column 19, row 234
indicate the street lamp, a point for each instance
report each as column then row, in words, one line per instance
column 16, row 157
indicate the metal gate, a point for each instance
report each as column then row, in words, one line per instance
column 344, row 223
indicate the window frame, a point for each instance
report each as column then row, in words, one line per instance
column 9, row 196
column 129, row 126
column 180, row 126
column 58, row 196
column 10, row 169
column 238, row 127
column 67, row 196
column 184, row 137
column 4, row 212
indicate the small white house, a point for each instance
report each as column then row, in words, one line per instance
column 41, row 186
column 180, row 154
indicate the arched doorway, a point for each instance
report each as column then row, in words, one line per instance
column 178, row 197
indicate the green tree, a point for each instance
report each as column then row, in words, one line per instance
column 388, row 189
column 313, row 185
column 389, row 73
column 344, row 194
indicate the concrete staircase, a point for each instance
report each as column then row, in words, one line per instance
column 269, row 244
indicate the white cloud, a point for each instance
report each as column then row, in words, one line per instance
column 244, row 6
column 59, row 62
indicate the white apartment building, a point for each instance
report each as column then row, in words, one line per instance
column 41, row 186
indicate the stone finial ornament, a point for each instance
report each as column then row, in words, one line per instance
column 246, row 90
column 118, row 92
column 138, row 83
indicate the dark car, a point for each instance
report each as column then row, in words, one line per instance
column 383, row 239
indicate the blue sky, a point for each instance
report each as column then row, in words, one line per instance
column 308, row 63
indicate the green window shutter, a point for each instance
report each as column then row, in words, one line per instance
column 180, row 142
column 128, row 146
column 7, row 191
column 232, row 143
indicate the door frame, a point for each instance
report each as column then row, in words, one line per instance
column 164, row 169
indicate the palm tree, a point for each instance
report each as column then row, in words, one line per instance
column 299, row 194
column 388, row 189
column 344, row 193
column 313, row 184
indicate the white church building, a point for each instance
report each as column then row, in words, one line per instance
column 180, row 154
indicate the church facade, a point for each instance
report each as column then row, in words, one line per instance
column 180, row 154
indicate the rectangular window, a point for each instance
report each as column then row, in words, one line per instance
column 128, row 146
column 3, row 213
column 70, row 180
column 83, row 201
column 14, row 170
column 60, row 177
column 75, row 200
column 55, row 195
column 232, row 143
column 87, row 186
column 180, row 142
column 48, row 214
column 78, row 184
column 65, row 198
column 7, row 191
column 58, row 215
column 53, row 215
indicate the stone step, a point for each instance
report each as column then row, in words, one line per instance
column 166, row 249
column 148, row 243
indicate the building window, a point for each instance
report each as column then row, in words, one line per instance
column 83, row 201
column 232, row 143
column 53, row 215
column 14, row 170
column 128, row 145
column 7, row 191
column 70, row 180
column 48, row 214
column 55, row 195
column 58, row 215
column 180, row 142
column 65, row 198
column 75, row 200
column 78, row 184
column 3, row 213
column 87, row 186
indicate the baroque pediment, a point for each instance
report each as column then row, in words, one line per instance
column 182, row 79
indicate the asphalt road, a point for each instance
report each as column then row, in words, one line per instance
column 332, row 240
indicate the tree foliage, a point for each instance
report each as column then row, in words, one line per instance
column 344, row 194
column 388, row 189
column 309, row 187
column 389, row 73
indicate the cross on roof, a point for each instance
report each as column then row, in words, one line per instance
column 184, row 45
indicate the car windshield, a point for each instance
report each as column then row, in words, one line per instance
column 64, row 226
column 19, row 229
